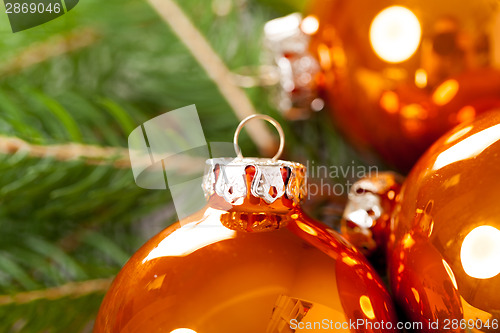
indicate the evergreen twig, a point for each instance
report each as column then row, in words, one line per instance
column 72, row 289
column 55, row 46
column 90, row 154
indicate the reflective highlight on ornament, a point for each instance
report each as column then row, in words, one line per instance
column 469, row 147
column 366, row 307
column 395, row 34
column 307, row 228
column 408, row 242
column 450, row 273
column 349, row 261
column 480, row 252
column 455, row 136
column 188, row 239
column 183, row 330
column 445, row 92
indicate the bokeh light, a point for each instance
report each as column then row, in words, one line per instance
column 395, row 34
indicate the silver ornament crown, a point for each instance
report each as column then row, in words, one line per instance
column 267, row 183
column 226, row 177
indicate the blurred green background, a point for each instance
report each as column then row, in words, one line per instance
column 68, row 221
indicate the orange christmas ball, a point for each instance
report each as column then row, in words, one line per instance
column 440, row 230
column 445, row 262
column 251, row 261
column 398, row 74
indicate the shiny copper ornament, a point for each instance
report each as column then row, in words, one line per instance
column 443, row 246
column 398, row 75
column 251, row 261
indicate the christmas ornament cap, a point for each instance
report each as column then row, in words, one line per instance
column 239, row 180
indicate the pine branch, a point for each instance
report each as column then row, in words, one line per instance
column 89, row 154
column 55, row 46
column 73, row 289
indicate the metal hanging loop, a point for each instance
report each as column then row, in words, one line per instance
column 269, row 119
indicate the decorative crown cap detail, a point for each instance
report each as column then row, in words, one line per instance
column 272, row 179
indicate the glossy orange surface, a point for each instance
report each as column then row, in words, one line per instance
column 221, row 271
column 393, row 91
column 445, row 261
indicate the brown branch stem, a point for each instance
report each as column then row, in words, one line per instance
column 72, row 289
column 93, row 155
column 51, row 48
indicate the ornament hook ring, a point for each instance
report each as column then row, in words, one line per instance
column 269, row 119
